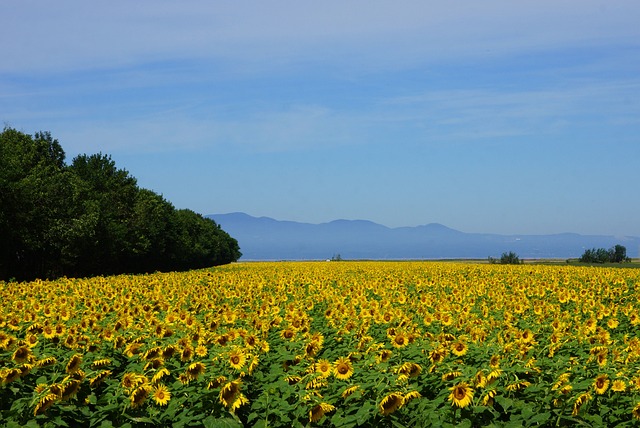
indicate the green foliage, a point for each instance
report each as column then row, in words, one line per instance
column 91, row 218
column 616, row 254
column 510, row 258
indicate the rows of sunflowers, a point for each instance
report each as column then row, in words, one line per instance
column 325, row 343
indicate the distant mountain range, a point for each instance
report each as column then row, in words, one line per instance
column 264, row 238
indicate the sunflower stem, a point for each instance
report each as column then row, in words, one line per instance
column 266, row 412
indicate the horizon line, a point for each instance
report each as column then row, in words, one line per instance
column 420, row 225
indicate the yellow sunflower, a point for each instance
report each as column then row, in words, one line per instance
column 602, row 359
column 9, row 375
column 487, row 399
column 494, row 374
column 383, row 356
column 411, row 395
column 601, row 383
column 518, row 385
column 311, row 349
column 195, row 370
column 139, row 395
column 32, row 340
column 446, row 319
column 619, row 385
column 461, row 395
column 152, row 353
column 154, row 364
column 201, row 351
column 317, row 383
column 636, row 411
column 99, row 378
column 159, row 330
column 74, row 363
column 580, row 401
column 288, row 333
column 25, row 369
column 216, row 382
column 459, row 348
column 187, row 353
column 494, row 362
column 49, row 332
column 428, row 319
column 565, row 389
column 480, row 380
column 292, row 380
column 22, row 354
column 324, row 368
column 255, row 360
column 437, row 355
column 250, row 341
column 237, row 359
column 231, row 396
column 44, row 403
column 410, row 369
column 318, row 339
column 319, row 410
column 45, row 362
column 527, row 336
column 450, row 375
column 400, row 340
column 69, row 389
column 349, row 391
column 159, row 375
column 169, row 351
column 70, row 341
column 131, row 380
column 343, row 369
column 107, row 334
column 161, row 394
column 100, row 363
column 391, row 403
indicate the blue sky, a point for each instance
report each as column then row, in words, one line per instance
column 486, row 116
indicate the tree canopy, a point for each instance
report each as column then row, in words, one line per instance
column 616, row 254
column 509, row 258
column 91, row 218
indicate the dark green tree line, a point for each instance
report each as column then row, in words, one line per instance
column 509, row 258
column 616, row 254
column 91, row 218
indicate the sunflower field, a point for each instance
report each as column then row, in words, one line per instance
column 347, row 344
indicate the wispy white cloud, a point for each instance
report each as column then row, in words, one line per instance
column 436, row 117
column 39, row 36
column 295, row 128
column 486, row 113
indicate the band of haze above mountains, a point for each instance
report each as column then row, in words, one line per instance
column 264, row 238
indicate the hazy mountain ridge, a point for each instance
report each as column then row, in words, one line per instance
column 264, row 238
